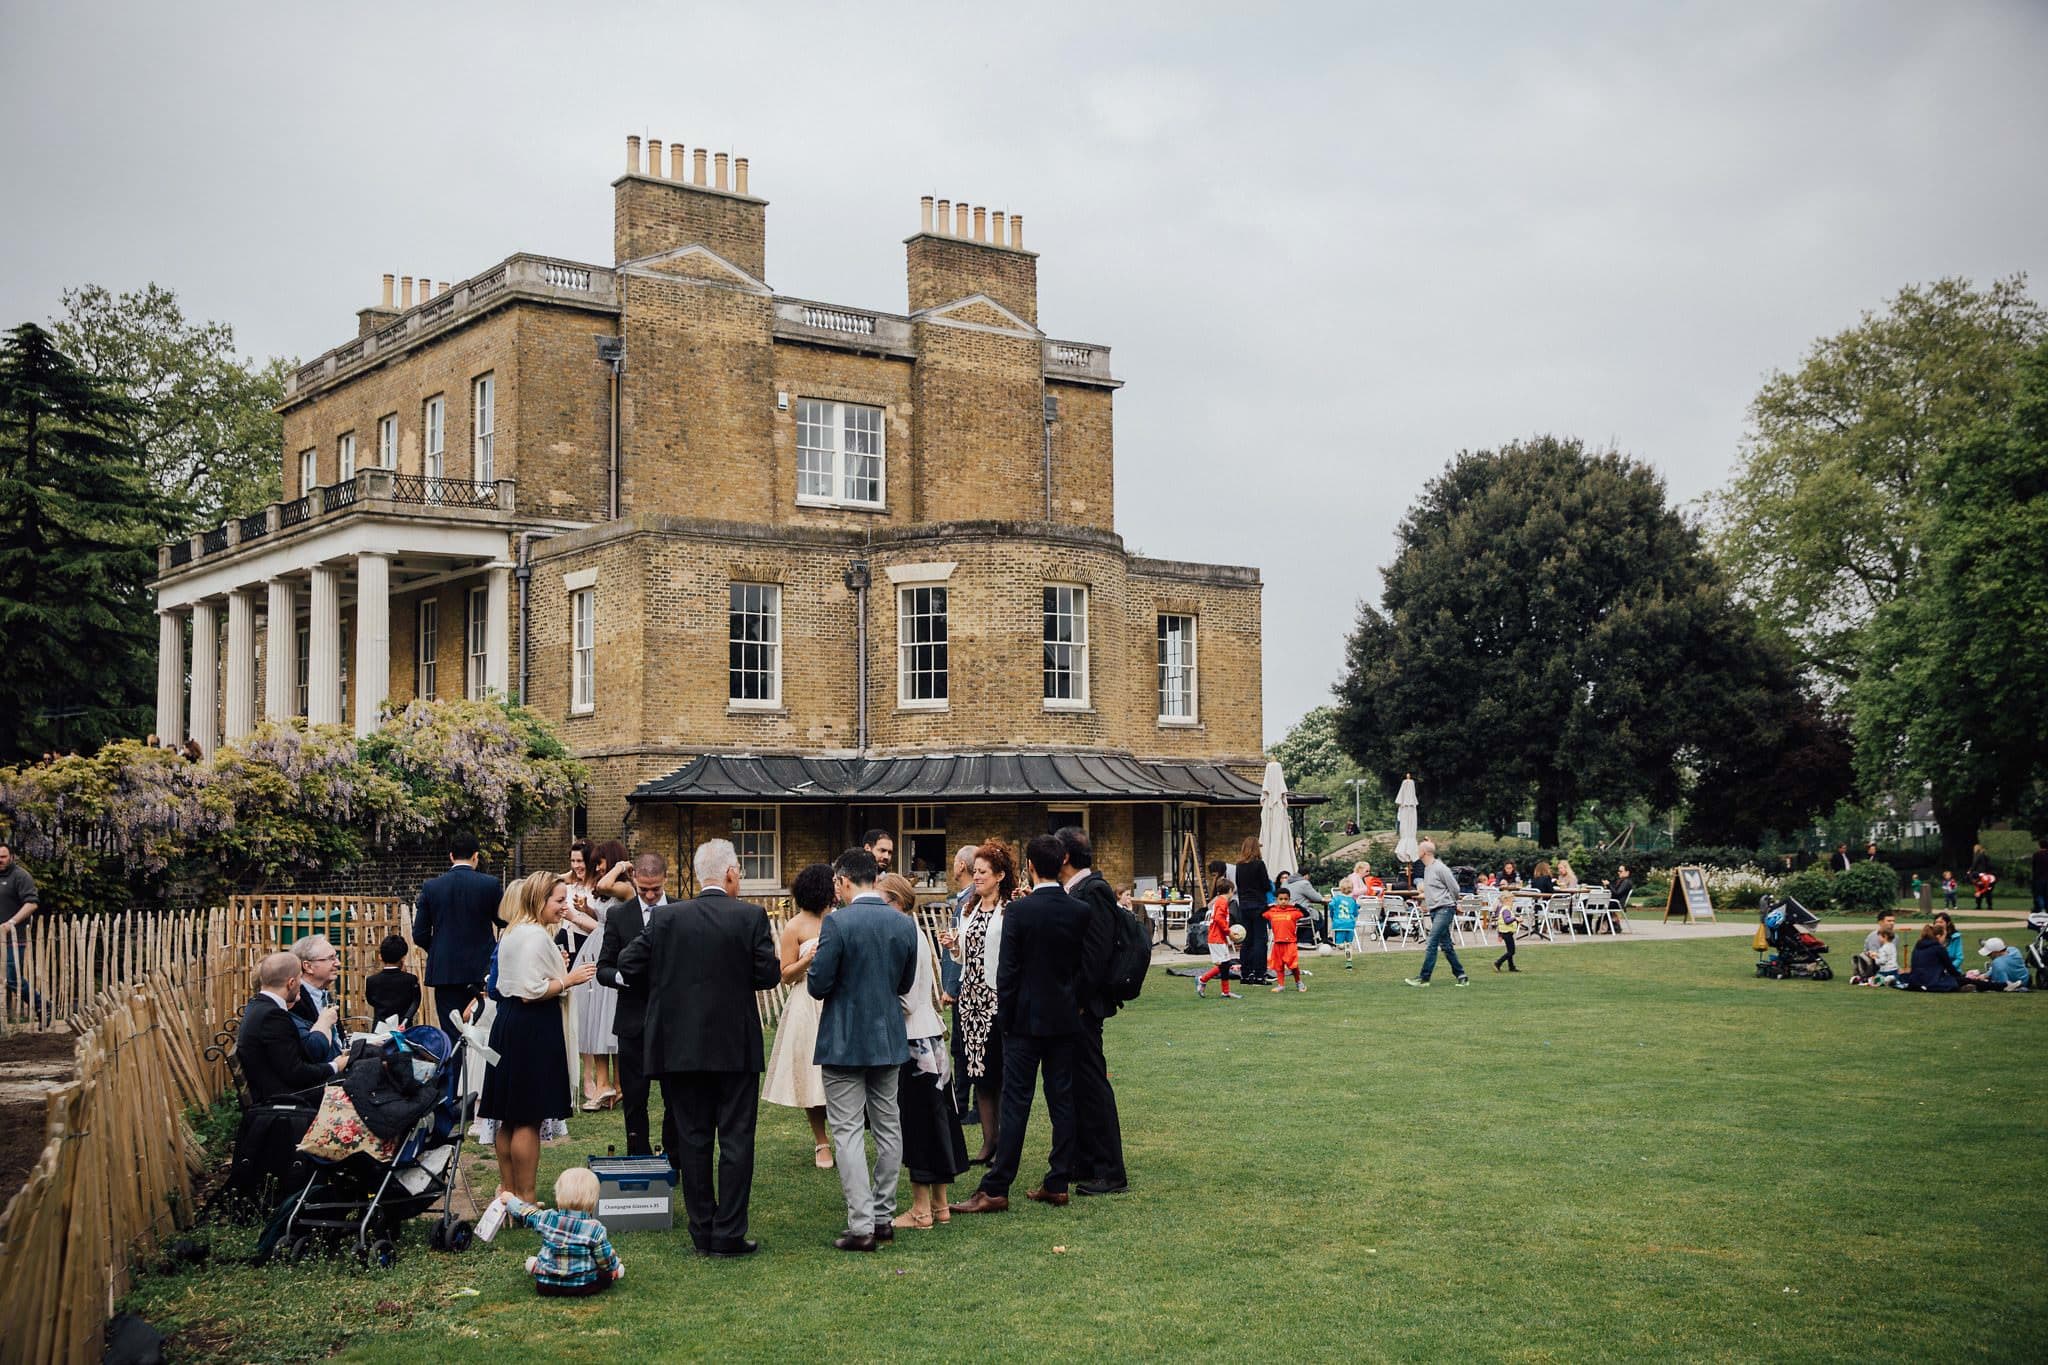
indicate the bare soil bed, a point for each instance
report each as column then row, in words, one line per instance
column 31, row 1065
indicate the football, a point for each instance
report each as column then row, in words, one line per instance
column 1324, row 950
column 1237, row 933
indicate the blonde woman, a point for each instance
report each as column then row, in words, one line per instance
column 1567, row 880
column 934, row 1150
column 534, row 1032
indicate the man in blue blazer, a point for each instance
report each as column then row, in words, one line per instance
column 457, row 924
column 866, row 962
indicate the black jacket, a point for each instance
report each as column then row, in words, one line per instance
column 1253, row 885
column 457, row 923
column 622, row 924
column 1098, row 943
column 1039, row 972
column 699, row 963
column 1931, row 969
column 389, row 993
column 274, row 1064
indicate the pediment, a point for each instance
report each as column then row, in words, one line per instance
column 696, row 262
column 979, row 310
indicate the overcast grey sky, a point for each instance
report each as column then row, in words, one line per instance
column 1331, row 245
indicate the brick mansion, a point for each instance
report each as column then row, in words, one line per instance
column 776, row 569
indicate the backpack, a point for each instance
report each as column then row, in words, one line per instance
column 1130, row 958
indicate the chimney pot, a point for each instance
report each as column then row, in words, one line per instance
column 980, row 223
column 676, row 153
column 697, row 160
column 1017, row 231
column 960, row 220
column 633, row 155
column 654, row 157
column 718, row 162
column 405, row 291
column 945, row 216
column 924, row 221
column 995, row 224
column 739, row 174
column 390, row 282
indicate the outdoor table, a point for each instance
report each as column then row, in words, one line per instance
column 1166, row 907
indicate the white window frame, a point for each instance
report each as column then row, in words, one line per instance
column 770, row 612
column 905, row 594
column 483, row 426
column 345, row 457
column 426, row 648
column 1075, row 610
column 1190, row 668
column 834, row 424
column 583, row 651
column 309, row 470
column 387, row 441
column 434, row 442
column 747, row 843
column 476, row 643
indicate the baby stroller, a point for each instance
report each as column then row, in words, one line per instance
column 408, row 1087
column 2037, row 951
column 1784, row 946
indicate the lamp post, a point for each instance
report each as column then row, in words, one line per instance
column 1357, row 817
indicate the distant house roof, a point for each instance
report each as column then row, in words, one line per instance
column 931, row 778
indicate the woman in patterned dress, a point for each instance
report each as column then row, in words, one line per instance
column 977, row 1045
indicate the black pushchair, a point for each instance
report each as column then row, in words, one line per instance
column 2037, row 951
column 410, row 1087
column 1785, row 946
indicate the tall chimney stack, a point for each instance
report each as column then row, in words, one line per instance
column 995, row 220
column 718, row 162
column 960, row 212
column 739, row 175
column 633, row 155
column 945, row 217
column 405, row 292
column 697, row 161
column 669, row 207
column 389, row 282
column 924, row 224
column 676, row 153
column 654, row 157
column 1017, row 231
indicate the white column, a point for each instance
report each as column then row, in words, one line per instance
column 281, row 653
column 206, row 676
column 373, row 638
column 240, row 711
column 498, row 632
column 323, row 657
column 170, row 676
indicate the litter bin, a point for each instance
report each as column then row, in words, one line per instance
column 305, row 922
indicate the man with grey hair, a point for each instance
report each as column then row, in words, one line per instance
column 624, row 923
column 316, row 1008
column 698, row 965
column 284, row 1084
column 1440, row 899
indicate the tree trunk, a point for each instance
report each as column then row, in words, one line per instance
column 1959, row 820
column 1546, row 817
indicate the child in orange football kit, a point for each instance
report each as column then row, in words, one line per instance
column 1286, row 954
column 1221, row 951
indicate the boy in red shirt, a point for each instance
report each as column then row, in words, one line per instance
column 1222, row 952
column 1286, row 954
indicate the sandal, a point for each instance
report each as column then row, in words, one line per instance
column 911, row 1220
column 821, row 1154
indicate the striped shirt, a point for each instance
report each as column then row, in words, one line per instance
column 573, row 1245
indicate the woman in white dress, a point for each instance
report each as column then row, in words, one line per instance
column 794, row 1080
column 593, row 1003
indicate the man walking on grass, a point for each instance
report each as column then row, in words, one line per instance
column 1440, row 898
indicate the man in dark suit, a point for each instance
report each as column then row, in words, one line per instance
column 318, row 1012
column 284, row 1084
column 1840, row 861
column 866, row 962
column 699, row 964
column 624, row 923
column 1038, row 1013
column 457, row 924
column 1097, row 1130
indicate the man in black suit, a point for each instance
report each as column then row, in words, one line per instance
column 457, row 924
column 1038, row 1013
column 284, row 1084
column 1840, row 861
column 318, row 1012
column 699, row 964
column 624, row 923
column 1099, row 1133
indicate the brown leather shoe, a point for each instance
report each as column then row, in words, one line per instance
column 1057, row 1198
column 982, row 1202
column 850, row 1242
column 885, row 1232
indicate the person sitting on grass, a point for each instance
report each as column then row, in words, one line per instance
column 576, row 1257
column 1951, row 939
column 1879, row 968
column 1931, row 970
column 2004, row 969
column 393, row 993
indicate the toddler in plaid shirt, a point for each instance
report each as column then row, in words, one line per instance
column 576, row 1256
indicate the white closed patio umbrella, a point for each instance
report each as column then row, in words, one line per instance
column 1276, row 830
column 1406, row 847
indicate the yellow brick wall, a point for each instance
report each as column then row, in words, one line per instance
column 942, row 269
column 650, row 216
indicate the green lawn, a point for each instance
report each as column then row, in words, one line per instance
column 1633, row 1151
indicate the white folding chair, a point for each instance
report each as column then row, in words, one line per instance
column 1557, row 911
column 1600, row 907
column 1177, row 921
column 1470, row 917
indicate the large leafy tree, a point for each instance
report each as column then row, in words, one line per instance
column 1552, row 632
column 1828, row 517
column 79, row 524
column 204, row 416
column 1952, row 691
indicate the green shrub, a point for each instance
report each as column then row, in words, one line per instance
column 1866, row 886
column 1813, row 888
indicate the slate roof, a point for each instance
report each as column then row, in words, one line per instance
column 934, row 778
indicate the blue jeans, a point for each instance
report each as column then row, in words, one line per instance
column 1440, row 938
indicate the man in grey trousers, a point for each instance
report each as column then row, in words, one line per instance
column 866, row 961
column 1440, row 898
